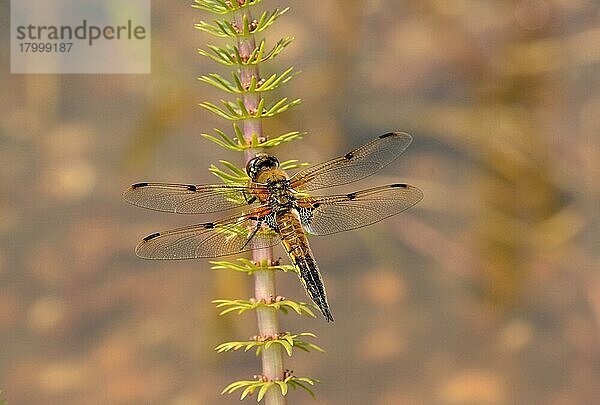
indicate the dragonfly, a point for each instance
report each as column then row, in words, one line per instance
column 276, row 208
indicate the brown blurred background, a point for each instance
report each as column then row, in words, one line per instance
column 487, row 292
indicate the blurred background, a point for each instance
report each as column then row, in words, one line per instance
column 487, row 292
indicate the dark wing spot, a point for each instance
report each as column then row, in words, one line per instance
column 138, row 185
column 399, row 185
column 251, row 199
column 349, row 155
column 209, row 225
column 351, row 196
column 192, row 187
column 386, row 135
column 151, row 236
column 316, row 205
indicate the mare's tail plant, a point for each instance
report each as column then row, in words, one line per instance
column 245, row 109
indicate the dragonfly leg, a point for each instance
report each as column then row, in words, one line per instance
column 258, row 225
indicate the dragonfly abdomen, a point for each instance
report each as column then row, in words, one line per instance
column 296, row 245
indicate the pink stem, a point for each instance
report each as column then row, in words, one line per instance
column 264, row 287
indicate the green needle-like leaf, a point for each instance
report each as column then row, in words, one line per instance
column 242, row 107
column 292, row 164
column 283, row 386
column 220, row 55
column 218, row 111
column 223, row 140
column 238, row 82
column 232, row 108
column 267, row 19
column 277, row 49
column 221, row 29
column 248, row 391
column 298, row 383
column 274, row 81
column 213, row 6
column 219, row 82
column 281, row 139
column 262, row 391
column 228, row 178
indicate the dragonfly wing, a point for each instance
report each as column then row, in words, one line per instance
column 354, row 165
column 226, row 237
column 191, row 198
column 339, row 213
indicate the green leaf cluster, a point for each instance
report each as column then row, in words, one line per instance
column 237, row 87
column 240, row 144
column 224, row 29
column 287, row 341
column 236, row 111
column 229, row 55
column 223, row 6
column 284, row 305
column 250, row 386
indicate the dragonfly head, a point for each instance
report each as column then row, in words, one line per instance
column 259, row 163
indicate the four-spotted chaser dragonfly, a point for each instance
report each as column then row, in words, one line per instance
column 279, row 209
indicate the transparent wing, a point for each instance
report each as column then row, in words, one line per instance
column 354, row 165
column 339, row 213
column 190, row 198
column 226, row 237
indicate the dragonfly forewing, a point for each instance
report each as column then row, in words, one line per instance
column 354, row 165
column 191, row 198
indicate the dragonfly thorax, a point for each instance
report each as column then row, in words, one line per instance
column 281, row 196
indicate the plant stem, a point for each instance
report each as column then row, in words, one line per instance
column 264, row 287
column 268, row 324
